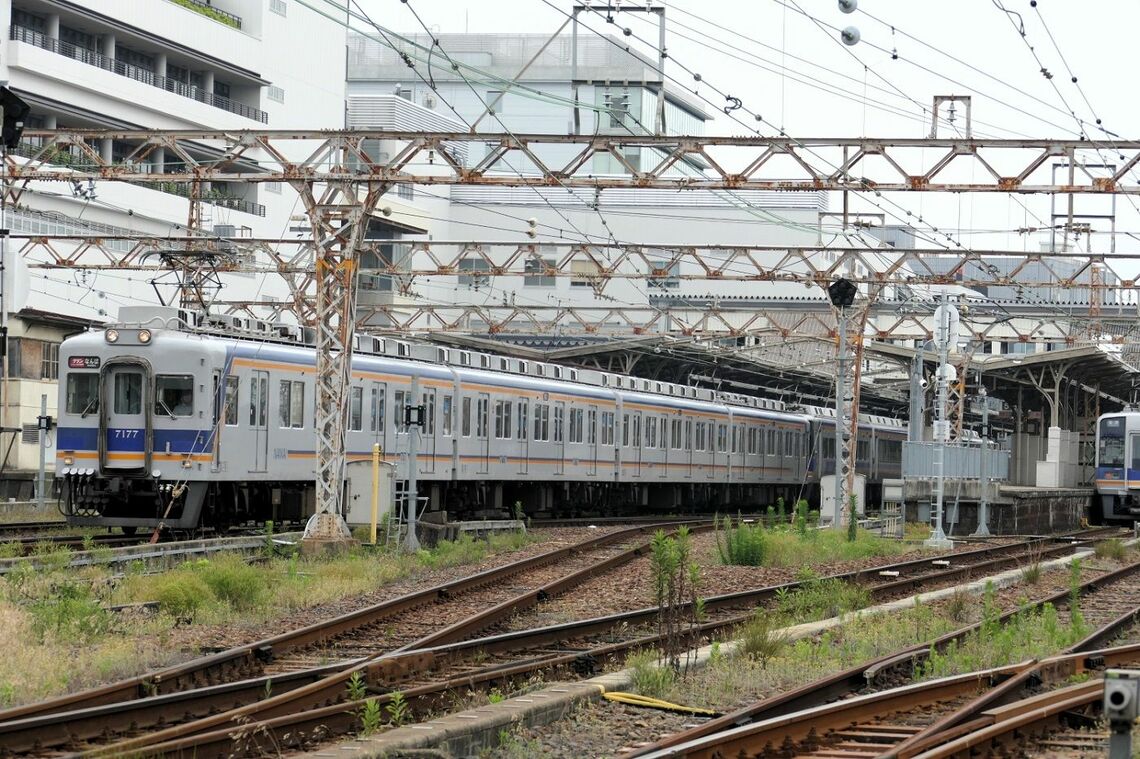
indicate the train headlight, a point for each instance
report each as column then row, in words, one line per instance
column 144, row 336
column 68, row 460
column 112, row 335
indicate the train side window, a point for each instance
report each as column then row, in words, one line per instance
column 559, row 413
column 356, row 409
column 541, row 421
column 575, row 425
column 292, row 398
column 651, row 432
column 524, row 407
column 688, row 434
column 1135, row 451
column 481, row 418
column 592, row 426
column 428, row 422
column 231, row 400
column 465, row 417
column 635, row 433
column 700, row 445
column 721, row 438
column 82, row 393
column 502, row 420
column 445, row 413
column 625, row 430
column 398, row 410
column 607, row 428
column 377, row 408
column 128, row 393
column 173, row 395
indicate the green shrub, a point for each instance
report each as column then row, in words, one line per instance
column 70, row 613
column 742, row 545
column 760, row 638
column 1110, row 549
column 649, row 678
column 233, row 581
column 818, row 598
column 181, row 594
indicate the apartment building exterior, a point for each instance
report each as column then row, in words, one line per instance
column 150, row 64
column 532, row 83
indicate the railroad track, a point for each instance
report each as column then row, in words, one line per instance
column 313, row 700
column 206, row 682
column 910, row 720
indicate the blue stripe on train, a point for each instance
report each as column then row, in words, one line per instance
column 128, row 440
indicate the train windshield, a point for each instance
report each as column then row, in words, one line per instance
column 82, row 393
column 174, row 395
column 1111, row 453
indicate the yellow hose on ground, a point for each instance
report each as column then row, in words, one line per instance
column 636, row 699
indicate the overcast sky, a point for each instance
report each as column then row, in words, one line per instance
column 765, row 51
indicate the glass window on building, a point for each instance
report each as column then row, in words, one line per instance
column 49, row 360
column 75, row 37
column 29, row 21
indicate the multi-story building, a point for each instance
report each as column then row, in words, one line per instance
column 530, row 83
column 160, row 64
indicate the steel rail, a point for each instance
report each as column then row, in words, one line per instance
column 249, row 658
column 40, row 725
column 391, row 668
column 854, row 678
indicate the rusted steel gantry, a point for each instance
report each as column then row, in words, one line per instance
column 339, row 183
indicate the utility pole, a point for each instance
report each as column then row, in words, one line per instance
column 413, row 419
column 937, row 537
column 842, row 294
column 43, row 423
column 983, row 530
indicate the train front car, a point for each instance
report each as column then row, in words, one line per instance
column 135, row 437
column 1117, row 475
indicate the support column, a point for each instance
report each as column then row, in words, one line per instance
column 107, row 45
column 339, row 218
column 51, row 26
column 160, row 64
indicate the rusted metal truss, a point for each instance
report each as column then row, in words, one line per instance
column 1101, row 304
column 743, row 163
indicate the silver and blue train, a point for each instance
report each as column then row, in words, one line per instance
column 169, row 417
column 1118, row 467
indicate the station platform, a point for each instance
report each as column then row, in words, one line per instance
column 1013, row 509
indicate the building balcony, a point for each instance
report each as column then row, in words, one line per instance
column 209, row 11
column 91, row 58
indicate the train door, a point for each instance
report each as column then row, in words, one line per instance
column 559, row 435
column 427, row 432
column 378, row 392
column 687, row 447
column 482, row 404
column 216, row 429
column 635, row 442
column 125, row 416
column 523, row 435
column 259, row 419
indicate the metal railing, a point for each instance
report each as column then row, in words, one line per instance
column 91, row 58
column 961, row 462
column 222, row 201
column 209, row 10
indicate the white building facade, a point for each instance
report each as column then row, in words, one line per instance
column 151, row 64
